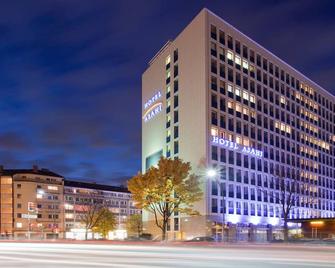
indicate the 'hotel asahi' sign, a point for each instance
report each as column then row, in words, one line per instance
column 235, row 146
column 152, row 107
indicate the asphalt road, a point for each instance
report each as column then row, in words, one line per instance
column 26, row 255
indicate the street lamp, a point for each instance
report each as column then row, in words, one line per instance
column 215, row 174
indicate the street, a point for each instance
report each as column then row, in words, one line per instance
column 63, row 255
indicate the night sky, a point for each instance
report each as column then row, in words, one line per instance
column 70, row 72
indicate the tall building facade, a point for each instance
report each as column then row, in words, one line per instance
column 217, row 99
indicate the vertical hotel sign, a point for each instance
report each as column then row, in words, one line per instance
column 152, row 107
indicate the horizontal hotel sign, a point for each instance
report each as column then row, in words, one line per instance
column 152, row 107
column 235, row 146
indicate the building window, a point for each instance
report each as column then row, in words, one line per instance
column 214, row 205
column 175, row 55
column 176, row 147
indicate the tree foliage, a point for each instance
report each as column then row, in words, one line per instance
column 106, row 222
column 94, row 214
column 166, row 189
column 135, row 224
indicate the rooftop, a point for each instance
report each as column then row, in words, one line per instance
column 95, row 186
column 34, row 170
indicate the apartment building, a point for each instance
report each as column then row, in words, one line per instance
column 40, row 204
column 219, row 100
column 31, row 203
column 79, row 196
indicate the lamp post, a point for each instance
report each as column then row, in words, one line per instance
column 214, row 174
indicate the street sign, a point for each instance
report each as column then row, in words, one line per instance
column 29, row 216
column 31, row 206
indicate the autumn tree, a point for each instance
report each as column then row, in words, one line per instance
column 105, row 223
column 135, row 224
column 166, row 189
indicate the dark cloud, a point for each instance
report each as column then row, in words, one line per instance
column 13, row 141
column 71, row 72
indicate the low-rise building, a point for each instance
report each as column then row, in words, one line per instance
column 31, row 203
column 79, row 195
column 39, row 204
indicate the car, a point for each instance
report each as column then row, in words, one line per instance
column 202, row 239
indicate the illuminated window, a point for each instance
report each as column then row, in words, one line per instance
column 245, row 95
column 245, row 64
column 252, row 98
column 245, row 111
column 238, row 60
column 6, row 180
column 238, row 140
column 214, row 131
column 246, row 142
column 19, row 225
column 230, row 55
column 238, row 108
column 167, row 60
column 69, row 216
column 288, row 129
column 282, row 100
column 237, row 91
column 53, row 188
column 39, row 196
column 230, row 88
column 230, row 104
column 168, row 88
column 282, row 127
column 168, row 133
column 68, row 206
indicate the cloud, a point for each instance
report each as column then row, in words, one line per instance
column 13, row 141
column 71, row 72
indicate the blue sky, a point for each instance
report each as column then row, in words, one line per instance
column 70, row 72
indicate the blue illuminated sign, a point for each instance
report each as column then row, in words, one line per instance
column 152, row 107
column 234, row 146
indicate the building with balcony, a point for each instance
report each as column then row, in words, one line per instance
column 219, row 100
column 40, row 204
column 79, row 196
column 31, row 202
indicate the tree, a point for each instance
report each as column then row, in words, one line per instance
column 166, row 189
column 135, row 224
column 106, row 222
column 290, row 192
column 91, row 214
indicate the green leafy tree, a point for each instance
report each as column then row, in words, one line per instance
column 135, row 224
column 106, row 222
column 166, row 189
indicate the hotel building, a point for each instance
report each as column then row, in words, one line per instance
column 217, row 99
